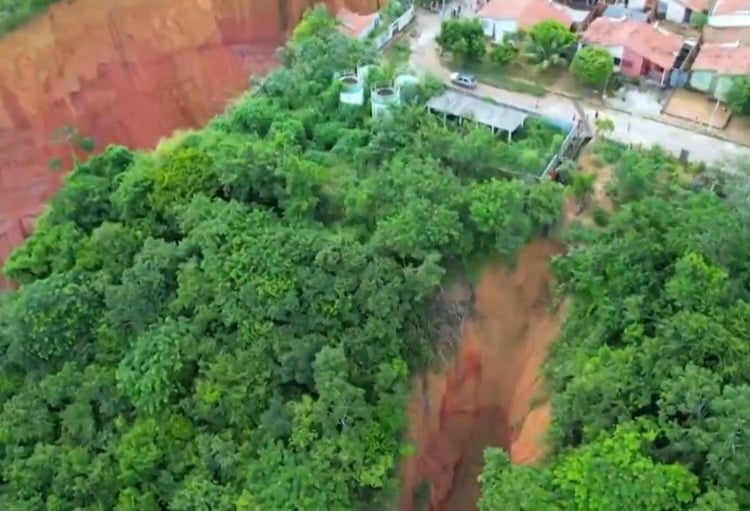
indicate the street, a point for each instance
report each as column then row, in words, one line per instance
column 629, row 128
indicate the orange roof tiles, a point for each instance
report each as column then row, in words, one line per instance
column 731, row 7
column 649, row 42
column 353, row 24
column 725, row 59
column 526, row 13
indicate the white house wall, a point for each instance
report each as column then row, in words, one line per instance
column 615, row 51
column 675, row 12
column 636, row 4
column 370, row 28
column 729, row 20
column 496, row 29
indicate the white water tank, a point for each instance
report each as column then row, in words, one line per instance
column 352, row 90
column 382, row 98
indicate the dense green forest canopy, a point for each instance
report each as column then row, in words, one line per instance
column 649, row 377
column 229, row 322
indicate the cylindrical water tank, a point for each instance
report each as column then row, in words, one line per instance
column 382, row 98
column 352, row 90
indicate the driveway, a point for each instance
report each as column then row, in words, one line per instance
column 629, row 128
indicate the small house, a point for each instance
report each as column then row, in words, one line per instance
column 504, row 17
column 680, row 11
column 357, row 26
column 638, row 49
column 716, row 67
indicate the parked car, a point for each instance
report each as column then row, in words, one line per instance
column 464, row 80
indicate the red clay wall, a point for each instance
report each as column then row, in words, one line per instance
column 126, row 71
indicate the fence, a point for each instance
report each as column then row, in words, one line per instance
column 573, row 141
column 394, row 27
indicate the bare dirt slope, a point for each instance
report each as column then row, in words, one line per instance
column 485, row 394
column 125, row 71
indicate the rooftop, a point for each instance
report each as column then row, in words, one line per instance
column 725, row 59
column 725, row 34
column 724, row 7
column 527, row 13
column 353, row 24
column 619, row 11
column 658, row 46
column 696, row 5
column 471, row 107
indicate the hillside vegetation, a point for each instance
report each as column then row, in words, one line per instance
column 14, row 13
column 229, row 322
column 649, row 378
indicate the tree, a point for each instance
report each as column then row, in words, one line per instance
column 604, row 126
column 502, row 53
column 463, row 38
column 231, row 321
column 592, row 65
column 547, row 44
column 582, row 186
column 610, row 474
column 698, row 19
column 738, row 96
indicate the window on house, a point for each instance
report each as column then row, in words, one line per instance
column 617, row 61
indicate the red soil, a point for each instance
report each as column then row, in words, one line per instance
column 483, row 398
column 125, row 71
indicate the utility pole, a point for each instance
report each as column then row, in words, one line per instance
column 713, row 113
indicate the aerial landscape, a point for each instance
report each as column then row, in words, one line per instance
column 380, row 256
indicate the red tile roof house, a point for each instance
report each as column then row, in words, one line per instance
column 638, row 49
column 730, row 13
column 717, row 66
column 355, row 25
column 502, row 17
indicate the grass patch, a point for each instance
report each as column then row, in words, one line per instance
column 510, row 77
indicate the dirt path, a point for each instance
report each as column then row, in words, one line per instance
column 485, row 394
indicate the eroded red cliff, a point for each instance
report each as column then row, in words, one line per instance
column 486, row 395
column 125, row 71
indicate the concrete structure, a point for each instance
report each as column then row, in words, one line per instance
column 730, row 13
column 717, row 66
column 503, row 118
column 504, row 17
column 395, row 27
column 352, row 89
column 463, row 106
column 382, row 98
column 637, row 49
column 358, row 26
column 680, row 11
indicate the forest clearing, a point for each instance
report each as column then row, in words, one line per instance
column 306, row 307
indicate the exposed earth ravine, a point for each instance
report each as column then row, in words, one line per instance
column 125, row 71
column 485, row 395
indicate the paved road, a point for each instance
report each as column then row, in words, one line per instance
column 629, row 129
